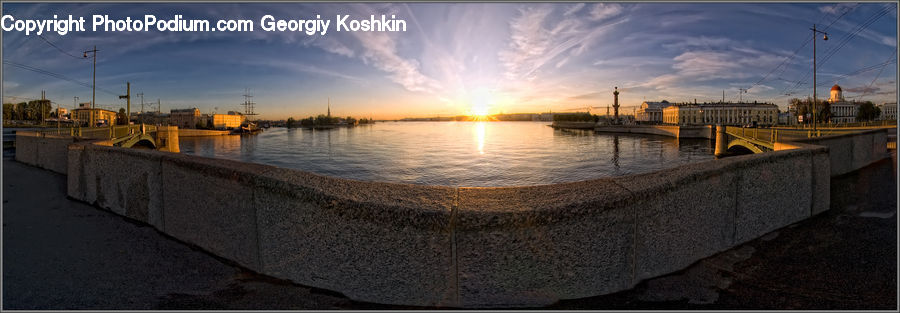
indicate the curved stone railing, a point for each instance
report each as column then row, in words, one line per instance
column 455, row 247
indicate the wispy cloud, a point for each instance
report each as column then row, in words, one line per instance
column 602, row 11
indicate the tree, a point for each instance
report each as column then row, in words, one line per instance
column 308, row 122
column 804, row 107
column 867, row 112
column 121, row 118
column 9, row 111
column 290, row 122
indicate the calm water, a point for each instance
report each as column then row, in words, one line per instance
column 455, row 153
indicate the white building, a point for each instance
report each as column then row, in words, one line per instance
column 722, row 114
column 651, row 111
column 841, row 111
column 888, row 111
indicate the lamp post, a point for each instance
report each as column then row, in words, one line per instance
column 93, row 86
column 74, row 107
column 815, row 98
column 142, row 107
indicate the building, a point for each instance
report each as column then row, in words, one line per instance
column 60, row 112
column 787, row 118
column 888, row 111
column 721, row 114
column 227, row 121
column 651, row 112
column 101, row 116
column 150, row 118
column 184, row 118
column 842, row 111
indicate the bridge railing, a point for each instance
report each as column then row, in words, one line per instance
column 781, row 134
column 109, row 132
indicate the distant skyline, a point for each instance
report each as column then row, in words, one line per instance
column 511, row 58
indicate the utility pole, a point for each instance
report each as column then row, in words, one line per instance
column 127, row 98
column 93, row 85
column 142, row 106
column 57, row 118
column 815, row 98
column 42, row 106
column 74, row 107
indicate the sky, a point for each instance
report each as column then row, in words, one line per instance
column 460, row 58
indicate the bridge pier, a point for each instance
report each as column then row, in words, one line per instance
column 167, row 138
column 721, row 141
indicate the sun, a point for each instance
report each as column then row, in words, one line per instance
column 479, row 109
column 481, row 104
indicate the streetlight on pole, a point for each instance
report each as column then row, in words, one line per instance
column 74, row 107
column 142, row 106
column 93, row 86
column 815, row 98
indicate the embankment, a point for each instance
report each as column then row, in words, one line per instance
column 707, row 132
column 455, row 246
column 574, row 125
column 188, row 132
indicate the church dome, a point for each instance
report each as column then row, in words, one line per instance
column 836, row 88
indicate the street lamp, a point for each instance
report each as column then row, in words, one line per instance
column 74, row 107
column 93, row 86
column 815, row 98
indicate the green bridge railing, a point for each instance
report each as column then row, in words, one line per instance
column 109, row 132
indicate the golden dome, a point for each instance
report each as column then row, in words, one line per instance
column 836, row 87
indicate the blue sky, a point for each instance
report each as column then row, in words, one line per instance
column 527, row 57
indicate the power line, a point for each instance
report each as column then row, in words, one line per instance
column 806, row 42
column 57, row 48
column 863, row 70
column 853, row 34
column 56, row 75
column 33, row 99
column 869, row 88
column 862, row 26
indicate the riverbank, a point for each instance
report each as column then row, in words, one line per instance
column 64, row 254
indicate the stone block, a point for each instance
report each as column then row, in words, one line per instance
column 683, row 215
column 862, row 150
column 75, row 172
column 821, row 182
column 208, row 202
column 52, row 153
column 774, row 191
column 132, row 183
column 375, row 242
column 531, row 246
column 27, row 147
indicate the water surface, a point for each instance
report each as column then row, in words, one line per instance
column 455, row 153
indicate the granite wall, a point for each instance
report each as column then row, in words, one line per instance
column 44, row 151
column 457, row 247
column 850, row 152
column 707, row 132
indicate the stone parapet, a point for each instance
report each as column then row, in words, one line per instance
column 459, row 247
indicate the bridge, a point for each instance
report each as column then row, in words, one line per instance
column 743, row 140
column 142, row 136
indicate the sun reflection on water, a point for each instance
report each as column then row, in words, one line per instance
column 479, row 136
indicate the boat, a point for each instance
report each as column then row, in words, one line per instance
column 248, row 128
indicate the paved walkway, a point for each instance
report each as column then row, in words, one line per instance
column 64, row 254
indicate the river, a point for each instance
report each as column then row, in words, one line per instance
column 455, row 153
